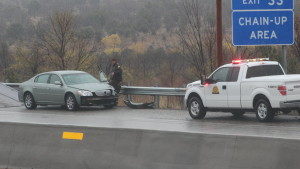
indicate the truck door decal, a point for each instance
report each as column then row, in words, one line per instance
column 215, row 90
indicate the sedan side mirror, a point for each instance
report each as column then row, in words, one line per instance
column 58, row 83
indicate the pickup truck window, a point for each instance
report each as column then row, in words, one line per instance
column 264, row 70
column 234, row 74
column 221, row 75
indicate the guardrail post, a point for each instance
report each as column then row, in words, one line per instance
column 182, row 99
column 156, row 98
column 129, row 96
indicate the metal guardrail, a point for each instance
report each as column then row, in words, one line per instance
column 153, row 91
column 13, row 85
column 135, row 90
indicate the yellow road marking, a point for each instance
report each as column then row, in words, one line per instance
column 72, row 136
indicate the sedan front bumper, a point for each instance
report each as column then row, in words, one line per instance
column 92, row 101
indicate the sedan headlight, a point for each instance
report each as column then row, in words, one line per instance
column 85, row 93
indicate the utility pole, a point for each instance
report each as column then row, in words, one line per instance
column 219, row 33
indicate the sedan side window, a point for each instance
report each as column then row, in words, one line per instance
column 221, row 75
column 54, row 78
column 42, row 79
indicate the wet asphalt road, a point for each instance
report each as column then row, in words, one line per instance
column 283, row 126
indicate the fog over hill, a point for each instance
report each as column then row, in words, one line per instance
column 144, row 35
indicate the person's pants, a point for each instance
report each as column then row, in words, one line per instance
column 116, row 85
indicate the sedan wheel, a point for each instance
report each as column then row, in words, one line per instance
column 71, row 103
column 29, row 101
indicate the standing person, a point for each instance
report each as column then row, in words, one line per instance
column 115, row 75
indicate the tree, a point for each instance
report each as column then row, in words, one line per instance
column 15, row 31
column 33, row 7
column 174, row 66
column 84, row 54
column 57, row 40
column 86, row 33
column 28, row 60
column 148, row 18
column 4, row 57
column 138, row 47
column 191, row 36
column 210, row 43
column 112, row 44
column 296, row 46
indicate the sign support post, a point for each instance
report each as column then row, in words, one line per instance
column 284, row 58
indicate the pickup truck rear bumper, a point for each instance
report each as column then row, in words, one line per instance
column 290, row 104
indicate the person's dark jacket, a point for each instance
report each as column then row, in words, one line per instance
column 117, row 73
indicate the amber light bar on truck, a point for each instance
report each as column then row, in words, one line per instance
column 239, row 61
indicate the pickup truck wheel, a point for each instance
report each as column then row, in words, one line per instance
column 238, row 113
column 196, row 108
column 264, row 111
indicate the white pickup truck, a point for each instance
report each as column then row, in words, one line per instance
column 245, row 85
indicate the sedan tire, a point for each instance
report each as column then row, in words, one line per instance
column 71, row 103
column 29, row 101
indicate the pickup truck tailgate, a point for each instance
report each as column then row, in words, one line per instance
column 293, row 90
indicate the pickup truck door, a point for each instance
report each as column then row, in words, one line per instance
column 216, row 94
column 234, row 87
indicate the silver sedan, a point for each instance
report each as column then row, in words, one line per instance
column 69, row 88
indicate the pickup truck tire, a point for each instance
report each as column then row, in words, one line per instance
column 238, row 113
column 196, row 108
column 264, row 111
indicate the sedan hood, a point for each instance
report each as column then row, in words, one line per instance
column 92, row 87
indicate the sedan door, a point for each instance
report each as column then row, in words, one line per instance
column 56, row 92
column 40, row 89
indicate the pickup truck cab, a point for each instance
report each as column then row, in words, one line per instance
column 256, row 85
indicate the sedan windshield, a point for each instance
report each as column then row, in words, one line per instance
column 79, row 78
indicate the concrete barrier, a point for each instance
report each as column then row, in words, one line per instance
column 8, row 97
column 24, row 146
